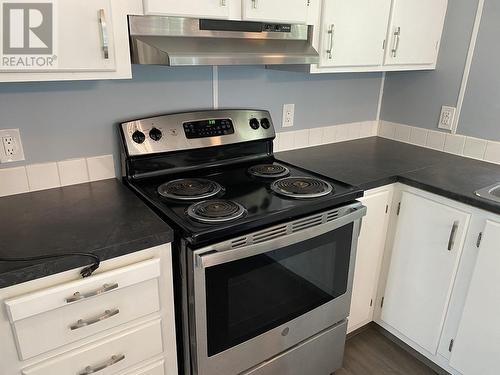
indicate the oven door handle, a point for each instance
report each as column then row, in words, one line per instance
column 211, row 257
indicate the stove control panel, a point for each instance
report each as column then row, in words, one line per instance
column 208, row 128
column 193, row 130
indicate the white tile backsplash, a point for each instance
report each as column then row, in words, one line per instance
column 101, row 167
column 353, row 131
column 287, row 141
column 451, row 143
column 436, row 140
column 418, row 136
column 73, row 171
column 301, row 138
column 402, row 133
column 475, row 148
column 492, row 153
column 342, row 133
column 387, row 130
column 454, row 144
column 43, row 176
column 13, row 181
column 330, row 134
column 316, row 137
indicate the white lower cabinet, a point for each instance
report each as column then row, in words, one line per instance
column 476, row 349
column 118, row 321
column 439, row 288
column 106, row 356
column 425, row 256
column 370, row 250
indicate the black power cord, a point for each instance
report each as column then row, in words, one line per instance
column 86, row 272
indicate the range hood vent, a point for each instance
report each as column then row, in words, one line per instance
column 179, row 41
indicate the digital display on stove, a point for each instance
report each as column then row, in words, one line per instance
column 208, row 128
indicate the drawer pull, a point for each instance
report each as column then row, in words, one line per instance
column 84, row 323
column 110, row 362
column 77, row 296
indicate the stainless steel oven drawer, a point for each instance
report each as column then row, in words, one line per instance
column 322, row 354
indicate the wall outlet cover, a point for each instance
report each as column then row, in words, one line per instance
column 446, row 118
column 11, row 147
column 288, row 115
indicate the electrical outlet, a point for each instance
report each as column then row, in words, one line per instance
column 446, row 118
column 11, row 148
column 288, row 115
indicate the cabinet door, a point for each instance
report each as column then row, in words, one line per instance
column 290, row 11
column 353, row 32
column 370, row 250
column 426, row 252
column 82, row 39
column 415, row 32
column 188, row 8
column 476, row 349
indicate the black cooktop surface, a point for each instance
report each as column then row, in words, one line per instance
column 262, row 205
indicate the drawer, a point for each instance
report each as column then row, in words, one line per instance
column 108, row 356
column 50, row 330
column 157, row 368
column 80, row 291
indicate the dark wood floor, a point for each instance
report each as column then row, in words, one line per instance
column 371, row 353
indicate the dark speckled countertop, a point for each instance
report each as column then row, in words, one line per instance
column 104, row 218
column 373, row 162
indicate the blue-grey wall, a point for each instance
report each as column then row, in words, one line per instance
column 415, row 98
column 61, row 120
column 481, row 109
column 320, row 99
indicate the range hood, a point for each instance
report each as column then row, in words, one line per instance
column 179, row 41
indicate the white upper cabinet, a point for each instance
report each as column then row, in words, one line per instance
column 353, row 32
column 370, row 250
column 415, row 32
column 476, row 349
column 188, row 8
column 290, row 11
column 427, row 247
column 86, row 40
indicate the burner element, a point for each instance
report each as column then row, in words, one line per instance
column 269, row 171
column 215, row 211
column 302, row 187
column 189, row 189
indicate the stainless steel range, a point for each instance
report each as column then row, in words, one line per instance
column 264, row 250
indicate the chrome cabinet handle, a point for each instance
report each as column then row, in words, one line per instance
column 395, row 46
column 223, row 3
column 110, row 362
column 104, row 33
column 77, row 296
column 254, row 4
column 331, row 31
column 87, row 322
column 451, row 241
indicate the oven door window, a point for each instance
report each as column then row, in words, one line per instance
column 248, row 297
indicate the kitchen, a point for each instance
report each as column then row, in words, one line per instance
column 236, row 187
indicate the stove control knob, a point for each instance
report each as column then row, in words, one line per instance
column 254, row 123
column 155, row 134
column 138, row 137
column 265, row 123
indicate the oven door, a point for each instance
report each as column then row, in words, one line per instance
column 257, row 296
